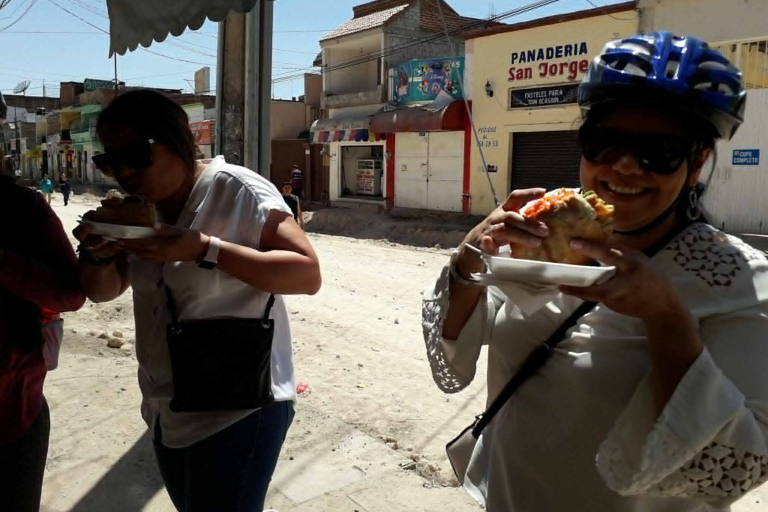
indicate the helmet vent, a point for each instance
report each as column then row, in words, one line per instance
column 721, row 88
column 635, row 48
column 673, row 66
column 713, row 65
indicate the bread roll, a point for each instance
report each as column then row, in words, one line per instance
column 128, row 211
column 569, row 215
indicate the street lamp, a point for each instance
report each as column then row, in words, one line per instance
column 21, row 87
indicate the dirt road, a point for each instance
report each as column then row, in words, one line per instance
column 372, row 405
column 372, row 408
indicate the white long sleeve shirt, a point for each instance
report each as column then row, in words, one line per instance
column 582, row 434
column 232, row 203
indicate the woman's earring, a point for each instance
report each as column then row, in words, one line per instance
column 694, row 209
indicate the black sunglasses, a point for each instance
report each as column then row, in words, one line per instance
column 136, row 156
column 658, row 153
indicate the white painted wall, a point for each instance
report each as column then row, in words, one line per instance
column 351, row 79
column 712, row 20
column 736, row 198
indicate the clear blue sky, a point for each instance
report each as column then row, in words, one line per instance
column 50, row 44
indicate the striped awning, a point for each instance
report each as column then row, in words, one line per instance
column 324, row 131
column 140, row 22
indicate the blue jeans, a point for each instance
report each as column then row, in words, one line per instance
column 229, row 471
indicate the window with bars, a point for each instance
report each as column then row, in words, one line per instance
column 751, row 56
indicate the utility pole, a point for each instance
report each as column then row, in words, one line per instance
column 243, row 86
column 115, row 74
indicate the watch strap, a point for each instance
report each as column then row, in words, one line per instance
column 211, row 257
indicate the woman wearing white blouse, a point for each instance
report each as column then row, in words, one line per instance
column 657, row 400
column 228, row 249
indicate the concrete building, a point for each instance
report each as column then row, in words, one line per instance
column 735, row 199
column 522, row 80
column 356, row 59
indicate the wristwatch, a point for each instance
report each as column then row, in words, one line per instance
column 210, row 258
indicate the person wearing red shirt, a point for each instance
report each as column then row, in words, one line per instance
column 38, row 279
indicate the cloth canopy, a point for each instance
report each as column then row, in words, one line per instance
column 139, row 22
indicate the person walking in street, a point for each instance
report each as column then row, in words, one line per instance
column 208, row 304
column 65, row 187
column 293, row 203
column 656, row 398
column 38, row 279
column 46, row 187
column 297, row 181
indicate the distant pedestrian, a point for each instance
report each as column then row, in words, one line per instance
column 65, row 188
column 297, row 181
column 293, row 203
column 46, row 187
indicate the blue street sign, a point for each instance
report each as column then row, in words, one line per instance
column 746, row 157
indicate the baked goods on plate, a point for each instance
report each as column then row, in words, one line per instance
column 569, row 214
column 122, row 217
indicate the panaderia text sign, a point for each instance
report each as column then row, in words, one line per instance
column 565, row 61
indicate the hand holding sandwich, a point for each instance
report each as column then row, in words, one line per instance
column 504, row 226
column 170, row 243
column 636, row 289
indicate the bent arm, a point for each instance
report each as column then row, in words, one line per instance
column 285, row 262
column 52, row 286
column 104, row 283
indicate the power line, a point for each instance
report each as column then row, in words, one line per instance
column 50, row 32
column 90, row 8
column 604, row 9
column 294, row 51
column 21, row 16
column 462, row 29
column 106, row 32
column 78, row 17
column 19, row 5
column 175, row 58
column 466, row 103
column 405, row 46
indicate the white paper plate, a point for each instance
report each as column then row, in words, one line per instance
column 115, row 231
column 511, row 269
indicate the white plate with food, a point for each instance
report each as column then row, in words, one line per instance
column 128, row 217
column 505, row 268
column 116, row 231
column 569, row 214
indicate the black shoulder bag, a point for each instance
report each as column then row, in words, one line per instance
column 220, row 364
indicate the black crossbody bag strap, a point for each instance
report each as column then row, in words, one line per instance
column 535, row 361
column 538, row 357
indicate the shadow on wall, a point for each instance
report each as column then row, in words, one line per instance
column 129, row 485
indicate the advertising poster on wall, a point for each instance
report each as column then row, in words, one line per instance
column 423, row 80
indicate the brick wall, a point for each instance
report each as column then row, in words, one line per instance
column 406, row 29
column 32, row 102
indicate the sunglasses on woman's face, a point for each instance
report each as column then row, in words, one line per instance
column 136, row 156
column 658, row 153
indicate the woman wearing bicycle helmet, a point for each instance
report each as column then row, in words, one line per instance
column 657, row 398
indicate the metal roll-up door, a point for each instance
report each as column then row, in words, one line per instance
column 545, row 159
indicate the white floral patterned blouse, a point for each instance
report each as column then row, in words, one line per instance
column 582, row 434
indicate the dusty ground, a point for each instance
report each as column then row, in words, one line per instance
column 372, row 407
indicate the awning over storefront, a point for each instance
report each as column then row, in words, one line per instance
column 134, row 22
column 449, row 117
column 344, row 130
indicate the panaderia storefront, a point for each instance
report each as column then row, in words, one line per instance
column 524, row 80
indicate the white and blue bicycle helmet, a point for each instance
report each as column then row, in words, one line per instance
column 677, row 71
